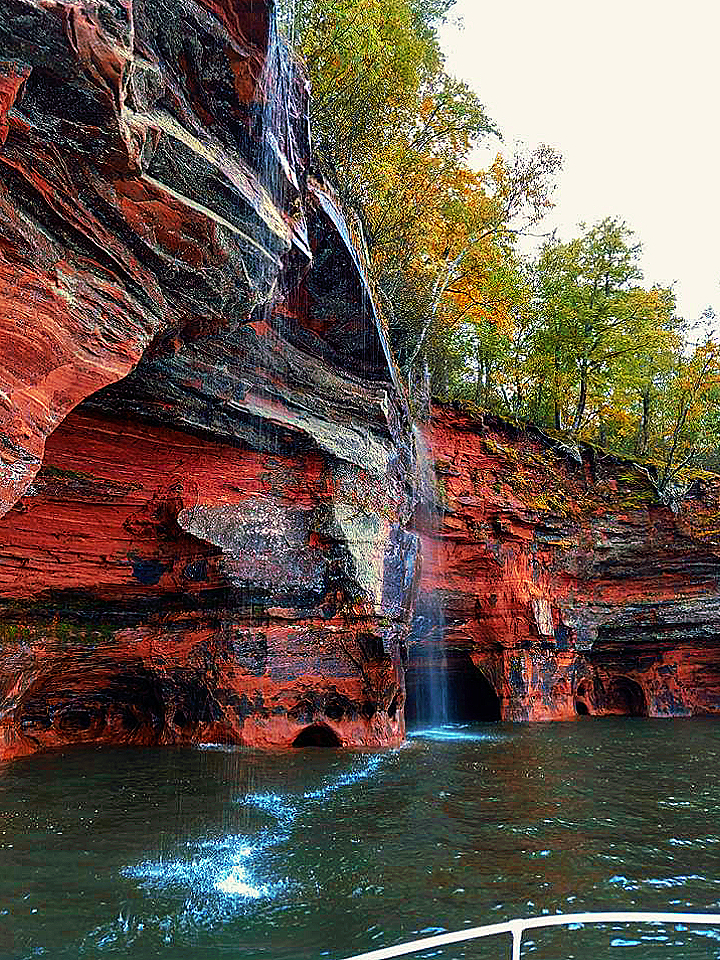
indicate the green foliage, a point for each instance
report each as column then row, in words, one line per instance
column 392, row 133
column 594, row 353
column 686, row 425
column 378, row 80
column 572, row 340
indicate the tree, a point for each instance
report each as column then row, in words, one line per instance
column 690, row 408
column 377, row 77
column 469, row 257
column 596, row 321
column 392, row 133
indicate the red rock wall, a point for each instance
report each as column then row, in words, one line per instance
column 206, row 467
column 138, row 193
column 572, row 589
column 158, row 587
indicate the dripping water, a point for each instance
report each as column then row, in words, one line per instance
column 428, row 700
column 277, row 162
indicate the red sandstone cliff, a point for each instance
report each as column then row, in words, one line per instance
column 568, row 584
column 207, row 471
column 205, row 463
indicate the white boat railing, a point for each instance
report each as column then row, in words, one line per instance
column 517, row 927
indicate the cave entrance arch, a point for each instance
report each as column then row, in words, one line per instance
column 468, row 694
column 625, row 697
column 317, row 735
column 471, row 696
column 582, row 699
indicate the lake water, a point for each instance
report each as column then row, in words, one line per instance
column 316, row 853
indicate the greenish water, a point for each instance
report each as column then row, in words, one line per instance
column 315, row 854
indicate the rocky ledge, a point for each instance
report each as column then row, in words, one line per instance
column 568, row 588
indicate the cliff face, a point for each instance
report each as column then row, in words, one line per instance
column 206, row 467
column 209, row 485
column 566, row 584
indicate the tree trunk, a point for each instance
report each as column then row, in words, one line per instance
column 487, row 382
column 642, row 439
column 670, row 457
column 582, row 399
column 556, row 392
column 518, row 398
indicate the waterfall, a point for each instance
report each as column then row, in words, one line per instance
column 427, row 675
column 277, row 101
column 427, row 667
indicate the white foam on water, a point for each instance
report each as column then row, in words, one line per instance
column 659, row 883
column 222, row 864
column 216, row 882
column 274, row 804
column 221, row 747
column 218, row 877
column 236, row 883
column 346, row 779
column 451, row 733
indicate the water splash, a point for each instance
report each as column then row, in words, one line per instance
column 221, row 865
column 219, row 878
column 451, row 732
column 214, row 879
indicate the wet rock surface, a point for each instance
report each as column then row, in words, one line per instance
column 206, row 467
column 572, row 589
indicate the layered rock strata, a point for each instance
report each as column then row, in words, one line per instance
column 206, row 467
column 212, row 504
column 568, row 588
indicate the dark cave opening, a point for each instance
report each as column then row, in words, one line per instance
column 471, row 696
column 317, row 735
column 625, row 697
column 583, row 699
column 75, row 718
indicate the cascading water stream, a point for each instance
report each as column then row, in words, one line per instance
column 276, row 163
column 428, row 697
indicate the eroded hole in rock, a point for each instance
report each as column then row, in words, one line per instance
column 335, row 708
column 317, row 735
column 581, row 708
column 471, row 696
column 75, row 719
column 180, row 719
column 392, row 709
column 626, row 697
column 129, row 720
column 368, row 709
column 373, row 646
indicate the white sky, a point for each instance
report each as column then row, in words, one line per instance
column 629, row 92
